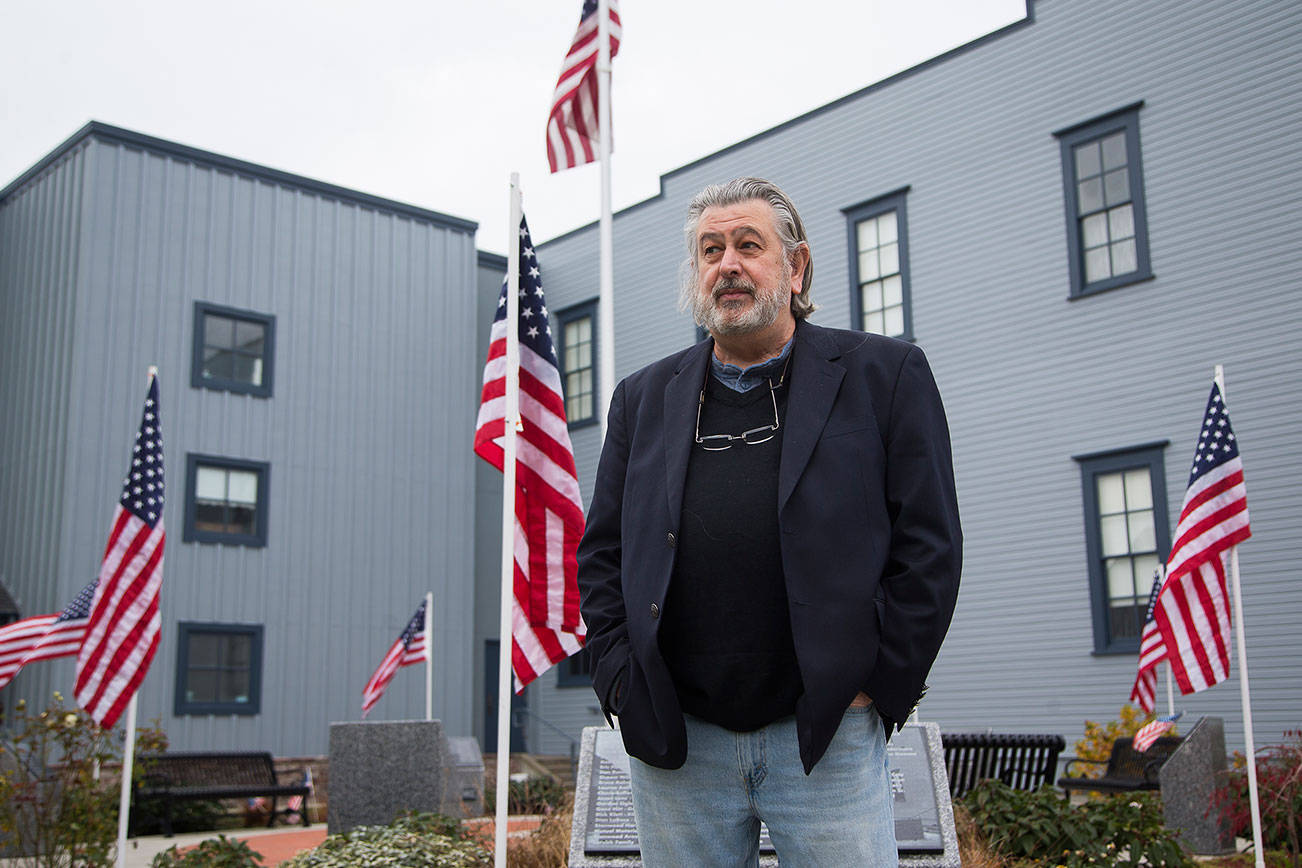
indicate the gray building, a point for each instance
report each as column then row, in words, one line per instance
column 319, row 385
column 1076, row 216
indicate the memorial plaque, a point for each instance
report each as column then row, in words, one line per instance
column 605, row 834
column 917, row 817
column 610, row 809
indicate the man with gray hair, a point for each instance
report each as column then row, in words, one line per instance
column 771, row 558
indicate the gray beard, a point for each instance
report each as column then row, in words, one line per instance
column 762, row 313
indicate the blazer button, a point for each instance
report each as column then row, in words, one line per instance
column 655, row 611
column 670, row 539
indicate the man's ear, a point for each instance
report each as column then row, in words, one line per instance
column 799, row 259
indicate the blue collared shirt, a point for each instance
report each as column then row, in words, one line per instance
column 745, row 379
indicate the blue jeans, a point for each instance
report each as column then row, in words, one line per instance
column 709, row 811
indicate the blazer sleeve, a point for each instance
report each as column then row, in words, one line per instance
column 599, row 562
column 919, row 584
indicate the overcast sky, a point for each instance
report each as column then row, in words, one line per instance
column 436, row 103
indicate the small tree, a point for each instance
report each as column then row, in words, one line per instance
column 1279, row 789
column 54, row 811
column 1097, row 743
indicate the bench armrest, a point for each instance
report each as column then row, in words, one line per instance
column 1066, row 769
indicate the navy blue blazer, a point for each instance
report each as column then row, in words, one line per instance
column 871, row 544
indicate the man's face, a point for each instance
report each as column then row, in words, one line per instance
column 744, row 281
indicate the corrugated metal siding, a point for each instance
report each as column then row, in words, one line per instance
column 1029, row 378
column 366, row 432
column 40, row 230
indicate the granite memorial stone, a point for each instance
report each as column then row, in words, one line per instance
column 1188, row 779
column 380, row 770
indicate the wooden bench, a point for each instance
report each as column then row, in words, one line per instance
column 1127, row 769
column 1023, row 762
column 178, row 776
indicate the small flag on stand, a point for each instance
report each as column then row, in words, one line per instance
column 295, row 803
column 1193, row 608
column 410, row 648
column 1152, row 731
column 572, row 126
column 546, row 625
column 124, row 625
column 45, row 637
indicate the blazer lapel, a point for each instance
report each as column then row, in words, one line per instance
column 682, row 395
column 815, row 380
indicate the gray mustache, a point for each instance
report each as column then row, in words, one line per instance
column 731, row 284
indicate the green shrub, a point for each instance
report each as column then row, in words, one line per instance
column 1044, row 827
column 536, row 794
column 54, row 808
column 187, row 816
column 413, row 841
column 221, row 852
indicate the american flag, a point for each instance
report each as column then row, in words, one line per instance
column 1150, row 732
column 410, row 648
column 123, row 630
column 545, row 620
column 1193, row 609
column 572, row 126
column 45, row 637
column 1152, row 651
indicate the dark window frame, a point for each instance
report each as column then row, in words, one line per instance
column 199, row 381
column 575, row 670
column 896, row 201
column 183, row 707
column 1123, row 119
column 190, row 533
column 1147, row 455
column 563, row 318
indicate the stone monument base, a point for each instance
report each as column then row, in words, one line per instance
column 1188, row 779
column 378, row 771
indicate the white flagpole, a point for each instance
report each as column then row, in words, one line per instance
column 510, row 427
column 124, row 799
column 429, row 655
column 1170, row 690
column 606, row 299
column 1240, row 645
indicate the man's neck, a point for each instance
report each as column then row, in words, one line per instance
column 746, row 350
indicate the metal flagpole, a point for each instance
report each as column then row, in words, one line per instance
column 1237, row 615
column 510, row 427
column 606, row 300
column 124, row 800
column 129, row 745
column 429, row 655
column 1170, row 690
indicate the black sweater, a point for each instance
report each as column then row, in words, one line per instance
column 725, row 631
